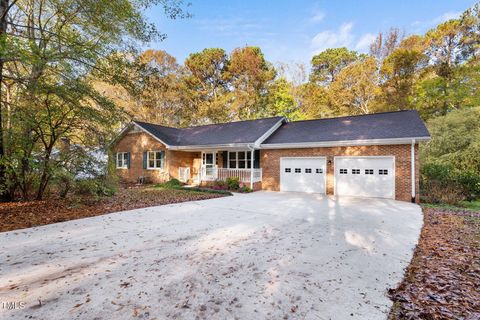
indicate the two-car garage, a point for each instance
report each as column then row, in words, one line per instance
column 367, row 176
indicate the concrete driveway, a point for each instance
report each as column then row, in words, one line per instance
column 263, row 255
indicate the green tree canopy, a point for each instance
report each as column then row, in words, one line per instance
column 327, row 64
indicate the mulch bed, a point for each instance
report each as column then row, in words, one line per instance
column 443, row 279
column 18, row 215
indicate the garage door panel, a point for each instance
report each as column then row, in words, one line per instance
column 302, row 174
column 365, row 176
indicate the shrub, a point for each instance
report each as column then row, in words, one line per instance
column 245, row 189
column 441, row 183
column 100, row 186
column 171, row 184
column 233, row 183
column 64, row 182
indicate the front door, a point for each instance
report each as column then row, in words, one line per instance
column 208, row 165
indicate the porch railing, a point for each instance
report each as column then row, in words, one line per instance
column 244, row 175
column 183, row 174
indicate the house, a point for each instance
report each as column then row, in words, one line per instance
column 374, row 155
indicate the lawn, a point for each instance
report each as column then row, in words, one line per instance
column 19, row 215
column 443, row 277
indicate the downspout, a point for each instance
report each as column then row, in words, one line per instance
column 412, row 169
column 252, row 151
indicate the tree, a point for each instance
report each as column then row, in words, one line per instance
column 455, row 140
column 249, row 74
column 356, row 88
column 50, row 52
column 314, row 101
column 160, row 97
column 329, row 63
column 450, row 81
column 281, row 101
column 384, row 45
column 400, row 70
column 470, row 23
column 207, row 84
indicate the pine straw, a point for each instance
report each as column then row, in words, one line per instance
column 19, row 215
column 443, row 279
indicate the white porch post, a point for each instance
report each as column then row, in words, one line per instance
column 251, row 168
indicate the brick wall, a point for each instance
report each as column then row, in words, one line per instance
column 139, row 142
column 270, row 163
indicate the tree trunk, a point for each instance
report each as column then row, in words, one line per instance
column 4, row 195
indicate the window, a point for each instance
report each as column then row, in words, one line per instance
column 122, row 160
column 368, row 171
column 154, row 160
column 308, row 170
column 343, row 171
column 355, row 171
column 288, row 170
column 298, row 170
column 383, row 172
column 239, row 159
column 232, row 159
column 319, row 170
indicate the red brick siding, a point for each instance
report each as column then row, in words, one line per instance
column 136, row 144
column 270, row 162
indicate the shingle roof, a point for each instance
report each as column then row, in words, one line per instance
column 387, row 125
column 239, row 132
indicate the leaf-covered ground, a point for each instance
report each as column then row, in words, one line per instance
column 443, row 279
column 18, row 215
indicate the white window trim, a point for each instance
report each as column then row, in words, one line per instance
column 155, row 160
column 124, row 163
column 236, row 159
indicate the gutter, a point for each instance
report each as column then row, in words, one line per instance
column 365, row 142
column 412, row 169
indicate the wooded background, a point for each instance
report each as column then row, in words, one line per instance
column 71, row 78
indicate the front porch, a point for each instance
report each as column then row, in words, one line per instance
column 219, row 165
column 221, row 174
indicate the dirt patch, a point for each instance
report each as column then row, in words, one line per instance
column 19, row 215
column 443, row 278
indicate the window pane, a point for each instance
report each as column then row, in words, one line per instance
column 249, row 165
column 241, row 155
column 241, row 164
column 158, row 155
column 249, row 155
column 151, row 163
column 232, row 155
column 158, row 163
column 233, row 164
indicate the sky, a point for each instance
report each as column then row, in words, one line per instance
column 293, row 31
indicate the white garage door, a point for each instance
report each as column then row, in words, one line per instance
column 365, row 176
column 303, row 174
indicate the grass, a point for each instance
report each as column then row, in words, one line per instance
column 461, row 206
column 174, row 184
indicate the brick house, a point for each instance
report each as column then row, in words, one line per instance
column 374, row 155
